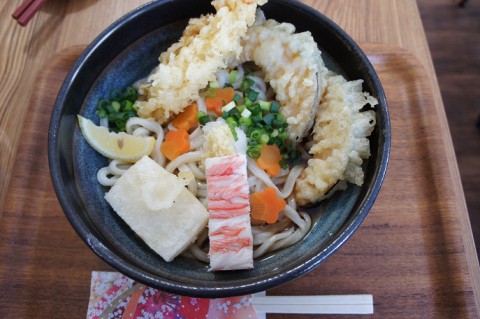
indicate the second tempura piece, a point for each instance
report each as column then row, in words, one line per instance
column 229, row 230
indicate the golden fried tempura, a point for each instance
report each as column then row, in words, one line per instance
column 206, row 46
column 294, row 67
column 340, row 140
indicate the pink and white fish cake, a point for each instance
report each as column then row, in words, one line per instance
column 229, row 230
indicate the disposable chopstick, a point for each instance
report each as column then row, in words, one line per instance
column 334, row 304
column 27, row 10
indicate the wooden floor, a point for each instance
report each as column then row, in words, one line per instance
column 453, row 35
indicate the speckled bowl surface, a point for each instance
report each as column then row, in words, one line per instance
column 127, row 51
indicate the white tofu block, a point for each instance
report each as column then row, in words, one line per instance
column 168, row 231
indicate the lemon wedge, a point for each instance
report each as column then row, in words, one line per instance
column 120, row 146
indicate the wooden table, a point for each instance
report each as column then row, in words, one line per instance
column 37, row 266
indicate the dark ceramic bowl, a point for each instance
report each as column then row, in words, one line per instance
column 127, row 51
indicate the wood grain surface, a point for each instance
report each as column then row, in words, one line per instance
column 408, row 253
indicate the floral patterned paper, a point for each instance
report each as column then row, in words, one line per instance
column 114, row 296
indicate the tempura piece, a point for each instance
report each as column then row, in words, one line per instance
column 229, row 229
column 187, row 67
column 294, row 67
column 340, row 140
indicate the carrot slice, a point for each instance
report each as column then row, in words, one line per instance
column 219, row 97
column 175, row 144
column 266, row 205
column 269, row 159
column 186, row 119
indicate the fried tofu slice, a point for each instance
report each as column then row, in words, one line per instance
column 158, row 208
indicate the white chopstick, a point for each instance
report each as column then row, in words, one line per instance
column 334, row 304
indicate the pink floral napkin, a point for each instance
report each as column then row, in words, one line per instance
column 114, row 296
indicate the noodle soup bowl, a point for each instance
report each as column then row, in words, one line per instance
column 126, row 52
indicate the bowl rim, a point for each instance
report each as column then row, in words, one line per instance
column 115, row 259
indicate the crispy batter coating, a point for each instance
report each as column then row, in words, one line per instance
column 340, row 140
column 207, row 44
column 294, row 67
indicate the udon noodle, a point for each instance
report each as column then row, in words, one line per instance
column 292, row 225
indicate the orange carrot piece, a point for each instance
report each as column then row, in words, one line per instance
column 186, row 119
column 269, row 159
column 218, row 98
column 266, row 205
column 175, row 144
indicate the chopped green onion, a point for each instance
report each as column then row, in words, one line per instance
column 234, row 133
column 101, row 113
column 224, row 115
column 255, row 109
column 254, row 152
column 116, row 106
column 200, row 114
column 119, row 108
column 247, row 102
column 128, row 105
column 246, row 113
column 231, row 122
column 245, row 121
column 116, row 95
column 252, row 95
column 274, row 133
column 256, row 134
column 267, row 119
column 204, row 120
column 275, row 107
column 214, row 85
column 233, row 76
column 237, row 98
column 241, row 108
column 228, row 107
column 283, row 163
column 131, row 94
column 103, row 103
column 234, row 112
column 264, row 105
column 246, row 84
column 257, row 117
column 277, row 123
column 264, row 139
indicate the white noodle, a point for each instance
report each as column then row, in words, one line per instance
column 201, row 105
column 263, row 176
column 103, row 177
column 302, row 220
column 223, row 77
column 183, row 159
column 171, row 127
column 239, row 78
column 197, row 172
column 265, row 247
column 196, row 143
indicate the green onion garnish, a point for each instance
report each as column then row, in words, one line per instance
column 252, row 95
column 119, row 108
column 233, row 76
column 275, row 107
